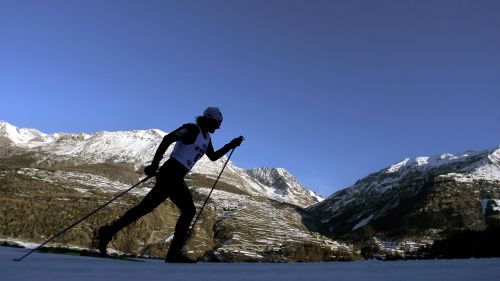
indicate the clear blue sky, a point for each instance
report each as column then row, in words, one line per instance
column 330, row 90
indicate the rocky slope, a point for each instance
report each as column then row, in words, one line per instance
column 416, row 201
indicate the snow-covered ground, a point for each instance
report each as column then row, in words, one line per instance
column 51, row 267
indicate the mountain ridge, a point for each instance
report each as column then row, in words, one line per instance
column 137, row 147
column 426, row 198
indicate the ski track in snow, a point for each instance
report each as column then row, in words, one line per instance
column 49, row 267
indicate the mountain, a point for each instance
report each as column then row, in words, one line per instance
column 12, row 135
column 137, row 148
column 286, row 185
column 418, row 207
column 48, row 181
column 415, row 202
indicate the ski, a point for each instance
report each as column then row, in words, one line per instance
column 88, row 253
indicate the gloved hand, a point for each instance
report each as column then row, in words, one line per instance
column 236, row 142
column 151, row 170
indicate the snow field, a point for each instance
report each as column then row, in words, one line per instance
column 48, row 267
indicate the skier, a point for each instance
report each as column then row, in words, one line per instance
column 192, row 142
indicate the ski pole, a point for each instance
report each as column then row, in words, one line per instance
column 206, row 200
column 84, row 218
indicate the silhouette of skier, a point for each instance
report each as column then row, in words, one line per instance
column 192, row 142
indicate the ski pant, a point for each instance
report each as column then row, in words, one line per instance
column 169, row 184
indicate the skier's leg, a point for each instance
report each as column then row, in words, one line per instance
column 155, row 197
column 182, row 198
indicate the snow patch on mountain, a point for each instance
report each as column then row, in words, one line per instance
column 425, row 162
column 487, row 168
column 22, row 136
column 496, row 204
column 363, row 222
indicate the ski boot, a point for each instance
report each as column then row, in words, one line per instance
column 178, row 258
column 102, row 236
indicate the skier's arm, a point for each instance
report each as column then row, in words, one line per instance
column 162, row 148
column 215, row 155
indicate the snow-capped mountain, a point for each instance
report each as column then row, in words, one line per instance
column 285, row 184
column 468, row 166
column 134, row 147
column 424, row 197
column 11, row 134
column 138, row 148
